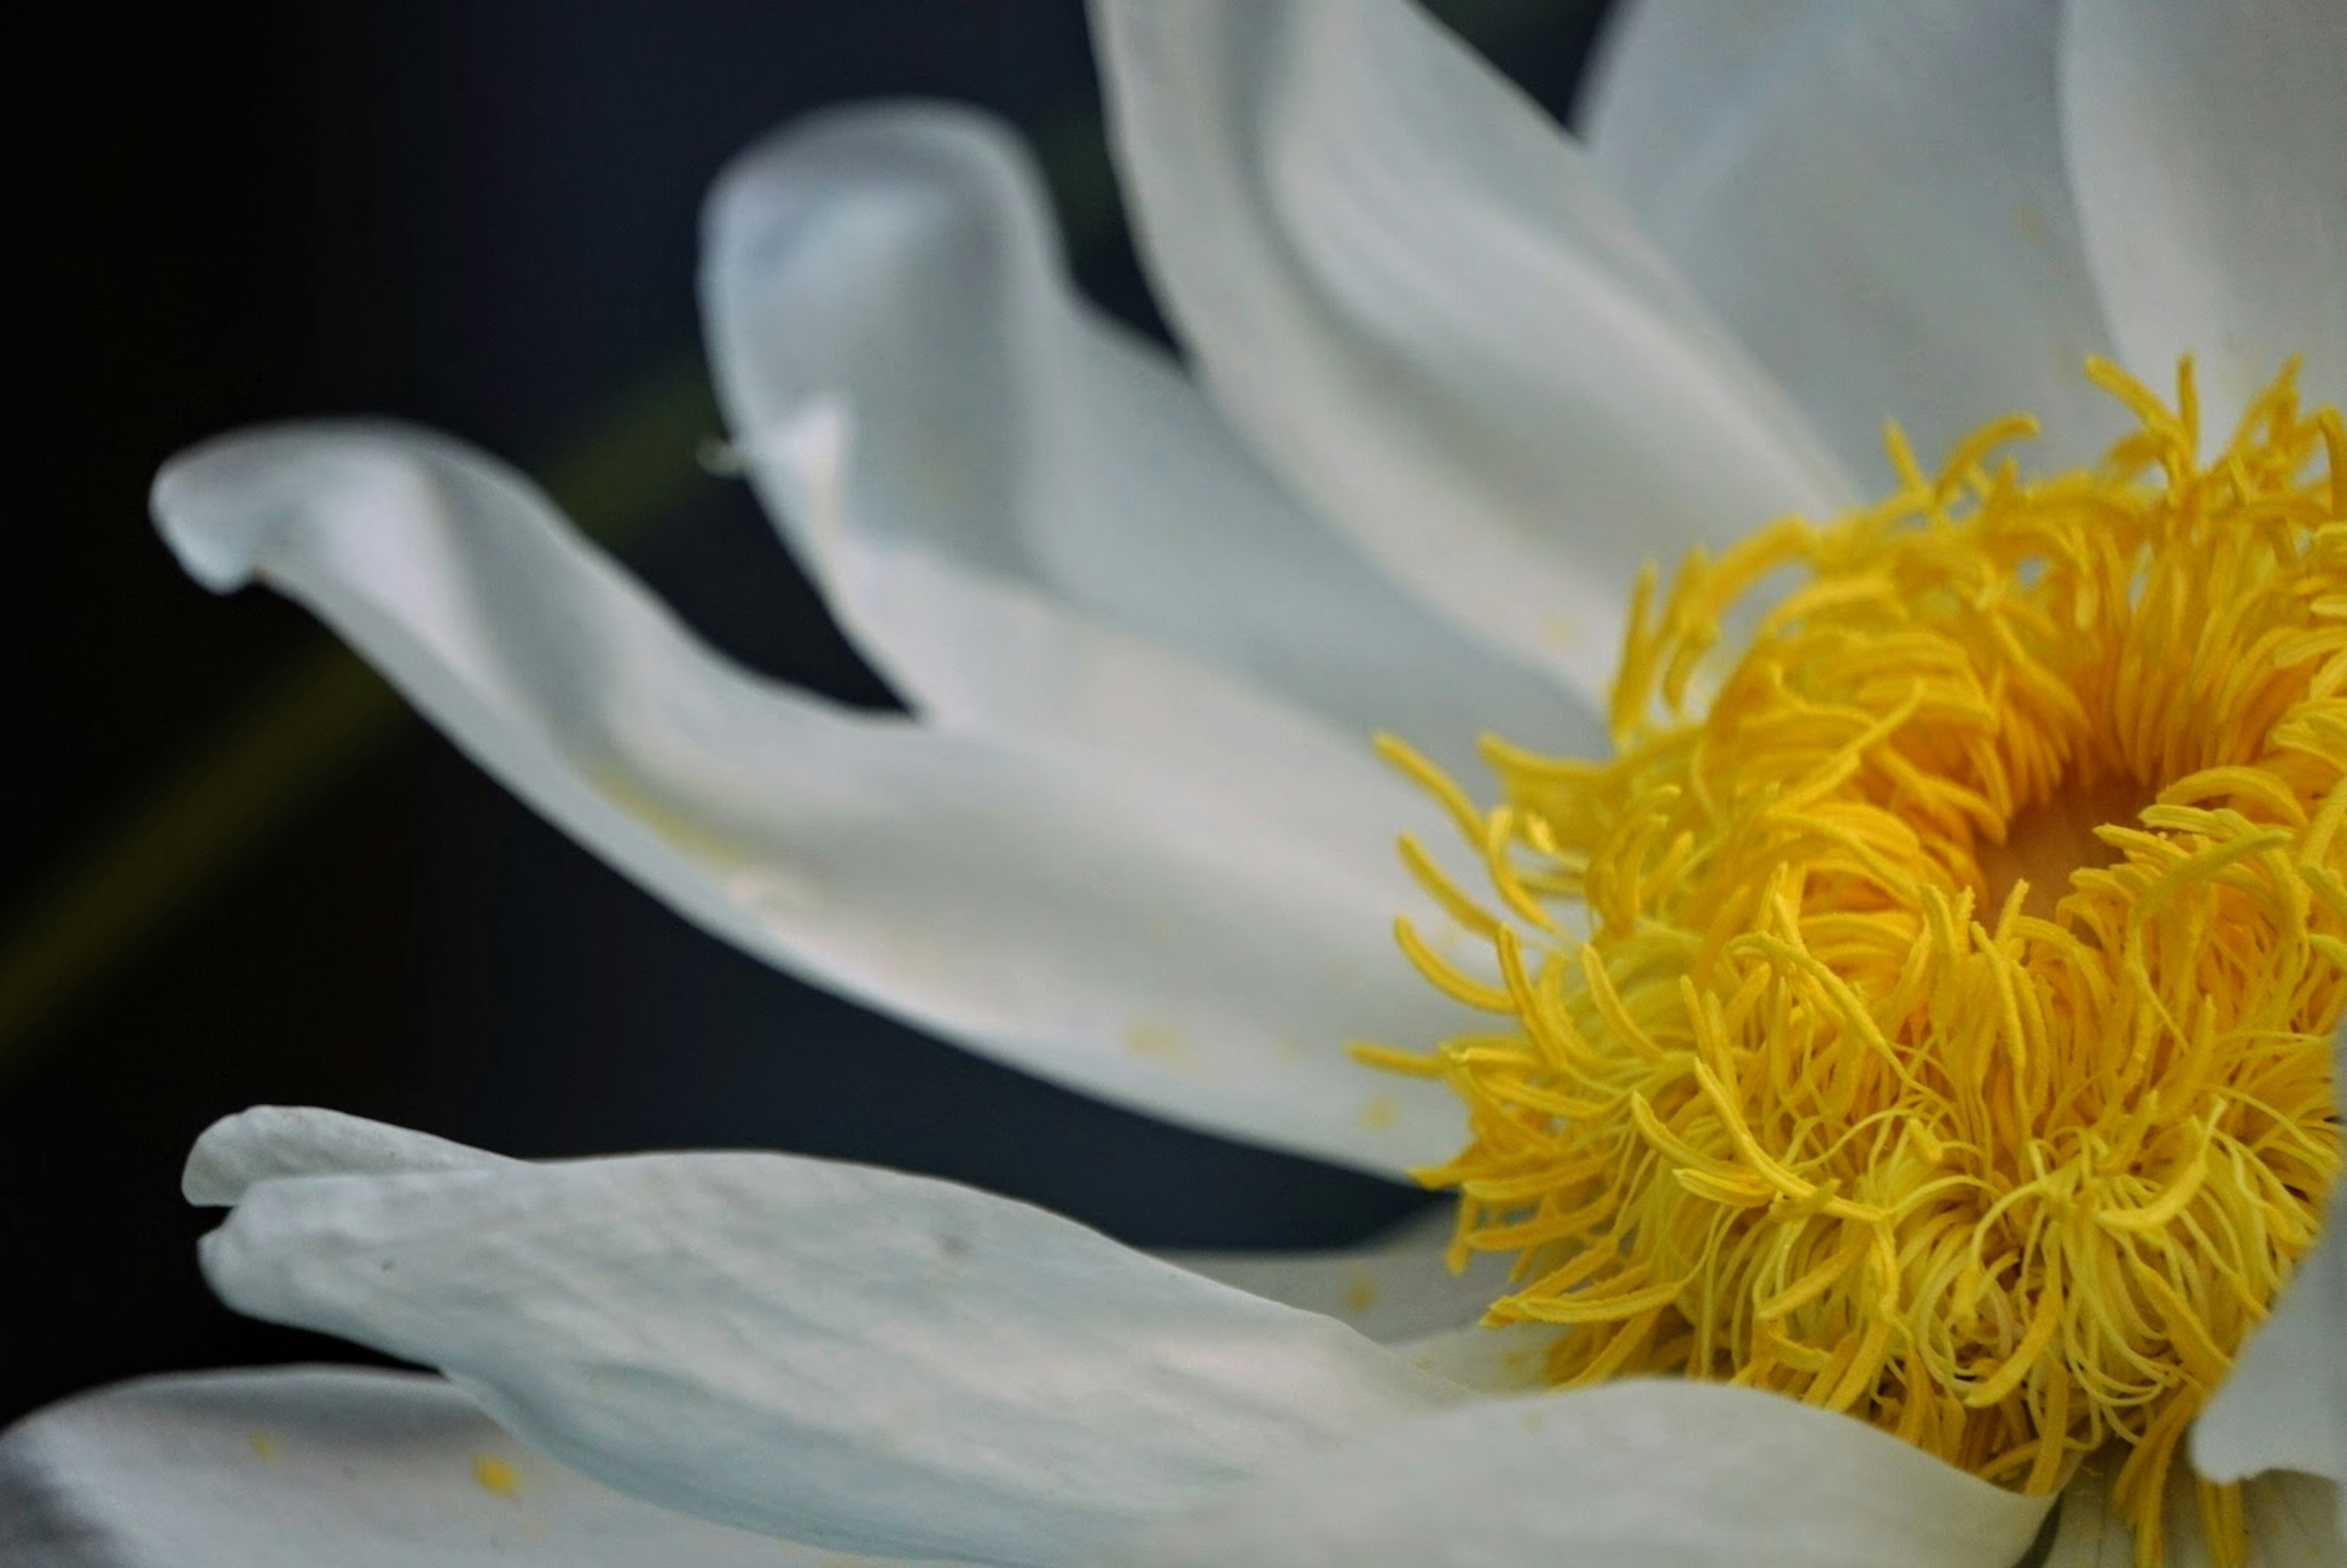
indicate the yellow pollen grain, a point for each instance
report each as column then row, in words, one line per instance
column 1949, row 1041
column 1160, row 1043
column 492, row 1474
column 263, row 1445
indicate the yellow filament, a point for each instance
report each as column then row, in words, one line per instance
column 1826, row 1101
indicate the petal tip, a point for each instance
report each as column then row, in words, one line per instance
column 271, row 1141
column 765, row 191
column 230, row 505
column 217, row 1174
column 200, row 502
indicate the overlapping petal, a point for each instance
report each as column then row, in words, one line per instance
column 2288, row 1516
column 2284, row 1405
column 1629, row 1475
column 861, row 1359
column 292, row 1467
column 1409, row 292
column 1025, row 489
column 2203, row 142
column 1873, row 198
column 1394, row 1288
column 1147, row 938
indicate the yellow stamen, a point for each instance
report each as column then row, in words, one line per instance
column 1950, row 1044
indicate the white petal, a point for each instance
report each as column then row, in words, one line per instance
column 1027, row 479
column 1144, row 938
column 1407, row 290
column 1508, row 1359
column 2294, row 1522
column 2204, row 144
column 867, row 1361
column 292, row 1466
column 266, row 1140
column 2284, row 1406
column 2288, row 1519
column 1665, row 79
column 1001, row 661
column 1873, row 197
column 1394, row 1287
column 1627, row 1475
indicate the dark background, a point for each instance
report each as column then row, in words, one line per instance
column 480, row 217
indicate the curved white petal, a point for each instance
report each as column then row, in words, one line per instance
column 1006, row 662
column 1027, row 481
column 2289, row 1520
column 1144, row 939
column 867, row 1361
column 1873, row 198
column 1392, row 1289
column 265, row 1140
column 2204, row 145
column 1407, row 290
column 1626, row 1475
column 292, row 1466
column 2284, row 1406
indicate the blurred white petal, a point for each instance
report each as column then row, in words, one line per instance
column 2284, row 1406
column 292, row 1466
column 1140, row 937
column 850, row 1357
column 1408, row 291
column 1642, row 1474
column 1026, row 481
column 1664, row 78
column 1873, row 198
column 2288, row 1519
column 2204, row 145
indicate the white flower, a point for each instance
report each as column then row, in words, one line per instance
column 1129, row 840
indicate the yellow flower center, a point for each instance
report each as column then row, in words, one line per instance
column 1934, row 1024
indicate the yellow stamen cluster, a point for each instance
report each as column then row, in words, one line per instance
column 1948, row 1039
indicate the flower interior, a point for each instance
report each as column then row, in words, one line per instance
column 1934, row 1024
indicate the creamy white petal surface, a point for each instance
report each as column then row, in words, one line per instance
column 1873, row 198
column 1023, row 480
column 1661, row 74
column 1512, row 1359
column 1642, row 1474
column 294, row 1467
column 862, row 1359
column 2204, row 142
column 2285, row 1403
column 1392, row 1289
column 2288, row 1516
column 1140, row 937
column 1407, row 288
